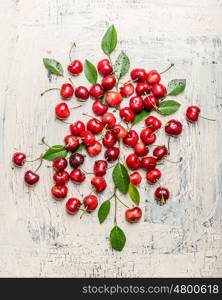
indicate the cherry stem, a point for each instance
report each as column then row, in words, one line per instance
column 41, row 161
column 89, row 116
column 71, row 82
column 83, row 212
column 122, row 202
column 207, row 118
column 64, row 121
column 30, row 161
column 168, row 145
column 45, row 143
column 76, row 107
column 73, row 46
column 48, row 90
column 174, row 162
column 162, row 200
column 172, row 64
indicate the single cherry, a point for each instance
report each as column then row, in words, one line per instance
column 59, row 191
column 138, row 75
column 60, row 164
column 150, row 103
column 77, row 176
column 75, row 68
column 62, row 111
column 136, row 103
column 76, row 160
column 96, row 91
column 133, row 161
column 173, row 127
column 88, row 138
column 131, row 139
column 95, row 126
column 133, row 215
column 99, row 183
column 104, row 67
column 162, row 194
column 153, row 176
column 94, row 149
column 143, row 88
column 159, row 90
column 127, row 114
column 111, row 154
column 153, row 123
column 82, row 93
column 31, row 178
column 147, row 136
column 73, row 205
column 109, row 120
column 90, row 202
column 109, row 139
column 61, row 178
column 99, row 108
column 135, row 178
column 77, row 128
column 160, row 152
column 66, row 91
column 127, row 90
column 18, row 159
column 141, row 149
column 153, row 77
column 148, row 163
column 72, row 142
column 100, row 167
column 119, row 131
column 108, row 82
column 113, row 98
column 192, row 113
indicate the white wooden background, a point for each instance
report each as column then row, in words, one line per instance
column 37, row 237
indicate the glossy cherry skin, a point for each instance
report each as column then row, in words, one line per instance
column 136, row 103
column 127, row 114
column 109, row 139
column 153, row 176
column 96, row 91
column 100, row 167
column 77, row 176
column 150, row 103
column 60, row 164
column 192, row 113
column 90, row 202
column 73, row 205
column 109, row 120
column 153, row 123
column 141, row 149
column 99, row 108
column 88, row 138
column 142, row 88
column 95, row 126
column 62, row 111
column 75, row 68
column 31, row 178
column 61, row 178
column 133, row 161
column 113, row 98
column 119, row 131
column 131, row 139
column 160, row 152
column 104, row 67
column 147, row 136
column 99, row 183
column 59, row 191
column 66, row 91
column 108, row 82
column 153, row 77
column 173, row 127
column 159, row 90
column 77, row 128
column 72, row 142
column 148, row 163
column 76, row 160
column 111, row 154
column 138, row 75
column 162, row 193
column 135, row 178
column 94, row 149
column 18, row 159
column 133, row 215
column 82, row 93
column 127, row 90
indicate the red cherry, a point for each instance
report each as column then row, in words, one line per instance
column 133, row 161
column 142, row 88
column 99, row 183
column 75, row 68
column 147, row 136
column 153, row 77
column 94, row 149
column 133, row 215
column 88, row 137
column 141, row 149
column 159, row 90
column 100, row 167
column 95, row 126
column 96, row 91
column 104, row 67
column 153, row 176
column 59, row 191
column 119, row 131
column 82, row 93
column 138, row 75
column 173, row 127
column 127, row 114
column 90, row 202
column 113, row 99
column 160, row 152
column 127, row 90
column 99, row 108
column 109, row 120
column 153, row 123
column 77, row 128
column 136, row 103
column 61, row 177
column 76, row 160
column 148, row 163
column 77, row 176
column 108, row 82
column 66, row 91
column 161, row 194
column 73, row 205
column 192, row 113
column 150, row 102
column 109, row 139
column 62, row 111
column 111, row 154
column 18, row 159
column 31, row 178
column 135, row 178
column 72, row 142
column 60, row 164
column 131, row 138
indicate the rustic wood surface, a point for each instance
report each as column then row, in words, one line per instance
column 37, row 237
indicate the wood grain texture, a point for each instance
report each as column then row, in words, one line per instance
column 183, row 238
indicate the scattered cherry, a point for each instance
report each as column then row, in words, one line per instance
column 73, row 205
column 173, row 127
column 162, row 194
column 88, row 138
column 136, row 103
column 82, row 93
column 109, row 139
column 62, row 111
column 131, row 138
column 133, row 215
column 153, row 176
column 90, row 202
column 192, row 113
column 75, row 68
column 61, row 177
column 153, row 77
column 109, row 120
column 77, row 176
column 60, row 164
column 138, row 75
column 119, row 131
column 59, row 191
column 96, row 91
column 159, row 90
column 94, row 149
column 77, row 128
column 133, row 161
column 72, row 142
column 99, row 108
column 108, row 82
column 18, row 159
column 66, row 91
column 127, row 90
column 160, row 152
column 141, row 149
column 100, row 167
column 31, row 178
column 148, row 163
column 111, row 154
column 147, row 136
column 127, row 114
column 95, row 126
column 76, row 160
column 135, row 178
column 113, row 98
column 150, row 103
column 99, row 183
column 104, row 67
column 153, row 123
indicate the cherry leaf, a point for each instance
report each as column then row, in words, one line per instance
column 109, row 40
column 53, row 66
column 134, row 194
column 121, row 178
column 168, row 107
column 90, row 72
column 104, row 211
column 122, row 65
column 54, row 152
column 176, row 86
column 117, row 238
column 140, row 116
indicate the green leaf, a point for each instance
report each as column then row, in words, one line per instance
column 121, row 178
column 104, row 211
column 168, row 107
column 54, row 152
column 109, row 40
column 53, row 66
column 176, row 86
column 140, row 116
column 90, row 72
column 134, row 194
column 117, row 238
column 122, row 65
